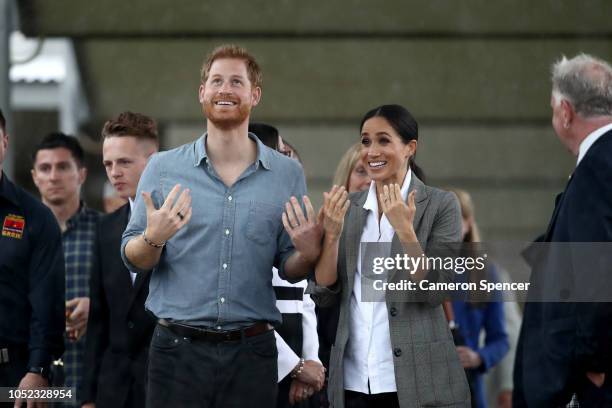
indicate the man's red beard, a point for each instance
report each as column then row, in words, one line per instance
column 226, row 120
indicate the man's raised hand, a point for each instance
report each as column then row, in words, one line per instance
column 173, row 215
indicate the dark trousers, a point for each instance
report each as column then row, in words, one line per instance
column 135, row 397
column 225, row 374
column 327, row 326
column 354, row 399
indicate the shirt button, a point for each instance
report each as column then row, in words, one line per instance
column 229, row 198
column 218, row 327
column 224, row 266
column 222, row 300
column 226, row 232
column 130, row 325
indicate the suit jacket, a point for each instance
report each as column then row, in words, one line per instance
column 427, row 369
column 119, row 329
column 561, row 341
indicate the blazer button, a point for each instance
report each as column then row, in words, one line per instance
column 130, row 325
column 393, row 311
column 397, row 352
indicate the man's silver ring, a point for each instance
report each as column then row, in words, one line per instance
column 181, row 216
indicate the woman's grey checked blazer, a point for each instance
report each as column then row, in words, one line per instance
column 427, row 369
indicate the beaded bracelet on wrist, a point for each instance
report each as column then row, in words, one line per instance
column 151, row 243
column 298, row 370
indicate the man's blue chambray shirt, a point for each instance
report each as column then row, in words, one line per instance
column 217, row 270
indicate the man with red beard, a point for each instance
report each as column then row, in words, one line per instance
column 211, row 263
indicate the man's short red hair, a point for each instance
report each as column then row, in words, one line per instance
column 237, row 52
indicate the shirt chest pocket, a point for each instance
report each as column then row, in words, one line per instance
column 264, row 222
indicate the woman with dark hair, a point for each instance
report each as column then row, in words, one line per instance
column 389, row 353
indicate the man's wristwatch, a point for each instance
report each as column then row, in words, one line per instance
column 42, row 371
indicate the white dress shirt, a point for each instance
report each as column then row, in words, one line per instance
column 287, row 359
column 590, row 139
column 369, row 355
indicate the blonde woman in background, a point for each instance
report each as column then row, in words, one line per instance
column 350, row 172
column 478, row 315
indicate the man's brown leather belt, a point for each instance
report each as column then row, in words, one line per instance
column 199, row 333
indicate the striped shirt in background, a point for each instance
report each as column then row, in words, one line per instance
column 297, row 336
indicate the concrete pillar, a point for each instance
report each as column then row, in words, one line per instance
column 72, row 104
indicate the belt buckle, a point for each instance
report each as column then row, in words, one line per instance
column 208, row 334
column 223, row 334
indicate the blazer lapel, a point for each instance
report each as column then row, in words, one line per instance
column 558, row 201
column 134, row 287
column 420, row 201
column 140, row 283
column 119, row 223
column 354, row 228
column 558, row 205
column 141, row 278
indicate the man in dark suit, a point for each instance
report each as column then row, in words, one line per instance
column 565, row 345
column 119, row 329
